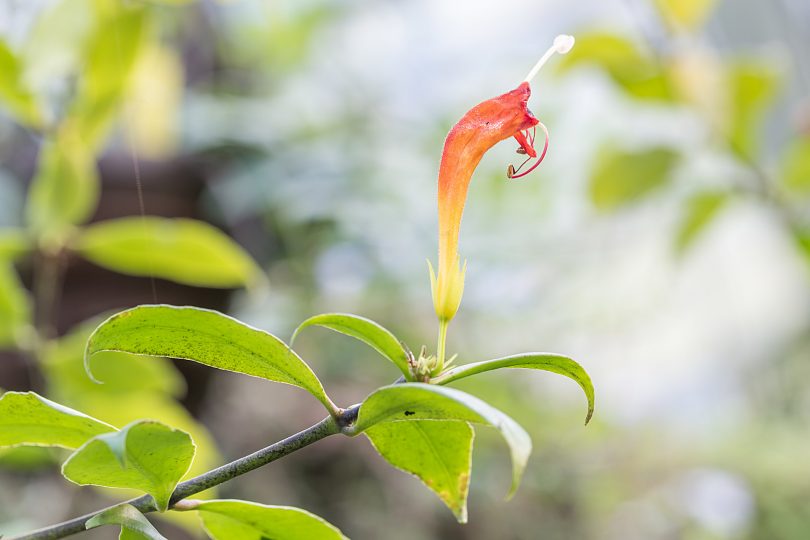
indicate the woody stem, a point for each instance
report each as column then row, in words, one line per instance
column 330, row 425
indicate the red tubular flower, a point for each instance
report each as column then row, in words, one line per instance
column 480, row 129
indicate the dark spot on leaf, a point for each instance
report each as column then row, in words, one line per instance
column 409, row 413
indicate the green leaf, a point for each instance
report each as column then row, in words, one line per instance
column 145, row 455
column 620, row 178
column 13, row 244
column 14, row 92
column 229, row 519
column 65, row 188
column 182, row 250
column 27, row 459
column 15, row 306
column 29, row 419
column 53, row 45
column 796, row 166
column 109, row 57
column 131, row 385
column 207, row 337
column 701, row 209
column 686, row 14
column 367, row 331
column 419, row 401
column 286, row 39
column 129, row 407
column 752, row 87
column 802, row 239
column 134, row 525
column 439, row 453
column 637, row 74
column 555, row 363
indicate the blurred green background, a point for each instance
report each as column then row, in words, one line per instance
column 664, row 244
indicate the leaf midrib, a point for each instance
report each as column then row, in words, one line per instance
column 434, row 451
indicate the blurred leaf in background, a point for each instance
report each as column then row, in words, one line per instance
column 752, row 87
column 15, row 306
column 182, row 250
column 638, row 74
column 65, row 190
column 700, row 210
column 13, row 243
column 153, row 101
column 110, row 56
column 796, row 166
column 15, row 95
column 686, row 14
column 622, row 177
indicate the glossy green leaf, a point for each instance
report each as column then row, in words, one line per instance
column 29, row 419
column 13, row 244
column 134, row 525
column 419, row 401
column 15, row 306
column 367, row 331
column 620, row 178
column 145, row 455
column 129, row 407
column 555, row 363
column 700, row 210
column 231, row 519
column 439, row 453
column 686, row 14
column 207, row 337
column 796, row 166
column 15, row 96
column 65, row 188
column 752, row 87
column 182, row 250
column 637, row 74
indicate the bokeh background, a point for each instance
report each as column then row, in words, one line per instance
column 664, row 244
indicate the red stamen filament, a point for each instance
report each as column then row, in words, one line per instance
column 511, row 172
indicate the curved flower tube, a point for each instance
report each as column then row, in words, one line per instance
column 479, row 130
column 482, row 127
